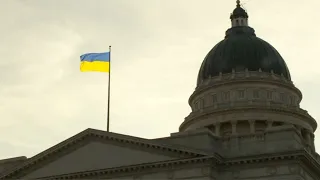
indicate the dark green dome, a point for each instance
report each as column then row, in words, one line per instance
column 241, row 50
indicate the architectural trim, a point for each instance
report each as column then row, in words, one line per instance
column 193, row 117
column 15, row 159
column 262, row 77
column 79, row 139
column 301, row 156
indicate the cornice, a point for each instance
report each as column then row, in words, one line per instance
column 113, row 172
column 242, row 77
column 215, row 161
column 61, row 148
column 12, row 160
column 208, row 112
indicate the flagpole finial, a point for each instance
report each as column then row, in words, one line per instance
column 238, row 3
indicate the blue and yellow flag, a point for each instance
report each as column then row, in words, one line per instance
column 95, row 62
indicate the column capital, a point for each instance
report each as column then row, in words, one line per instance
column 252, row 121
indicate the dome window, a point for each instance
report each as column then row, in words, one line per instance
column 197, row 105
column 241, row 94
column 226, row 96
column 292, row 100
column 269, row 95
column 214, row 98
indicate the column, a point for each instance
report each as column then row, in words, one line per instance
column 234, row 127
column 269, row 124
column 252, row 126
column 217, row 129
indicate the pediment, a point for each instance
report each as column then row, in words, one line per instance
column 97, row 155
column 94, row 149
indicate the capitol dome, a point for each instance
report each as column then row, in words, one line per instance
column 240, row 50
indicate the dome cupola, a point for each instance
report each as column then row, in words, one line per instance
column 239, row 16
column 238, row 12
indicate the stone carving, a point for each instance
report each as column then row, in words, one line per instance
column 271, row 170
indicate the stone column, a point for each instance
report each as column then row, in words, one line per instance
column 299, row 130
column 308, row 137
column 269, row 124
column 217, row 129
column 234, row 127
column 312, row 141
column 252, row 126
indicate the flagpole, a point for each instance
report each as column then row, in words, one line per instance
column 108, row 116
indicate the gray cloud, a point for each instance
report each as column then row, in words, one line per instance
column 157, row 49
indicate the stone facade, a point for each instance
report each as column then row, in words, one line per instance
column 280, row 152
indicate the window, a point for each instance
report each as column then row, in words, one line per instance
column 241, row 94
column 255, row 93
column 214, row 98
column 269, row 94
column 226, row 96
column 197, row 105
column 292, row 100
column 237, row 22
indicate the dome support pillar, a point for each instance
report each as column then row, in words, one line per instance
column 252, row 126
column 234, row 127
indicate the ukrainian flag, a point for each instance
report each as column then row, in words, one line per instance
column 95, row 62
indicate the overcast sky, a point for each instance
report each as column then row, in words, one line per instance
column 157, row 49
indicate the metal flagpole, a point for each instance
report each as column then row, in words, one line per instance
column 108, row 116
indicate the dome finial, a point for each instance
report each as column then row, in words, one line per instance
column 238, row 3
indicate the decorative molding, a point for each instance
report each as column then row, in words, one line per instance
column 213, row 160
column 114, row 172
column 65, row 146
column 209, row 112
column 244, row 76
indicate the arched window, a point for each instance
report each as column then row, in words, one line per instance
column 237, row 22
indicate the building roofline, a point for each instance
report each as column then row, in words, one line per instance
column 302, row 155
column 120, row 138
column 14, row 159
